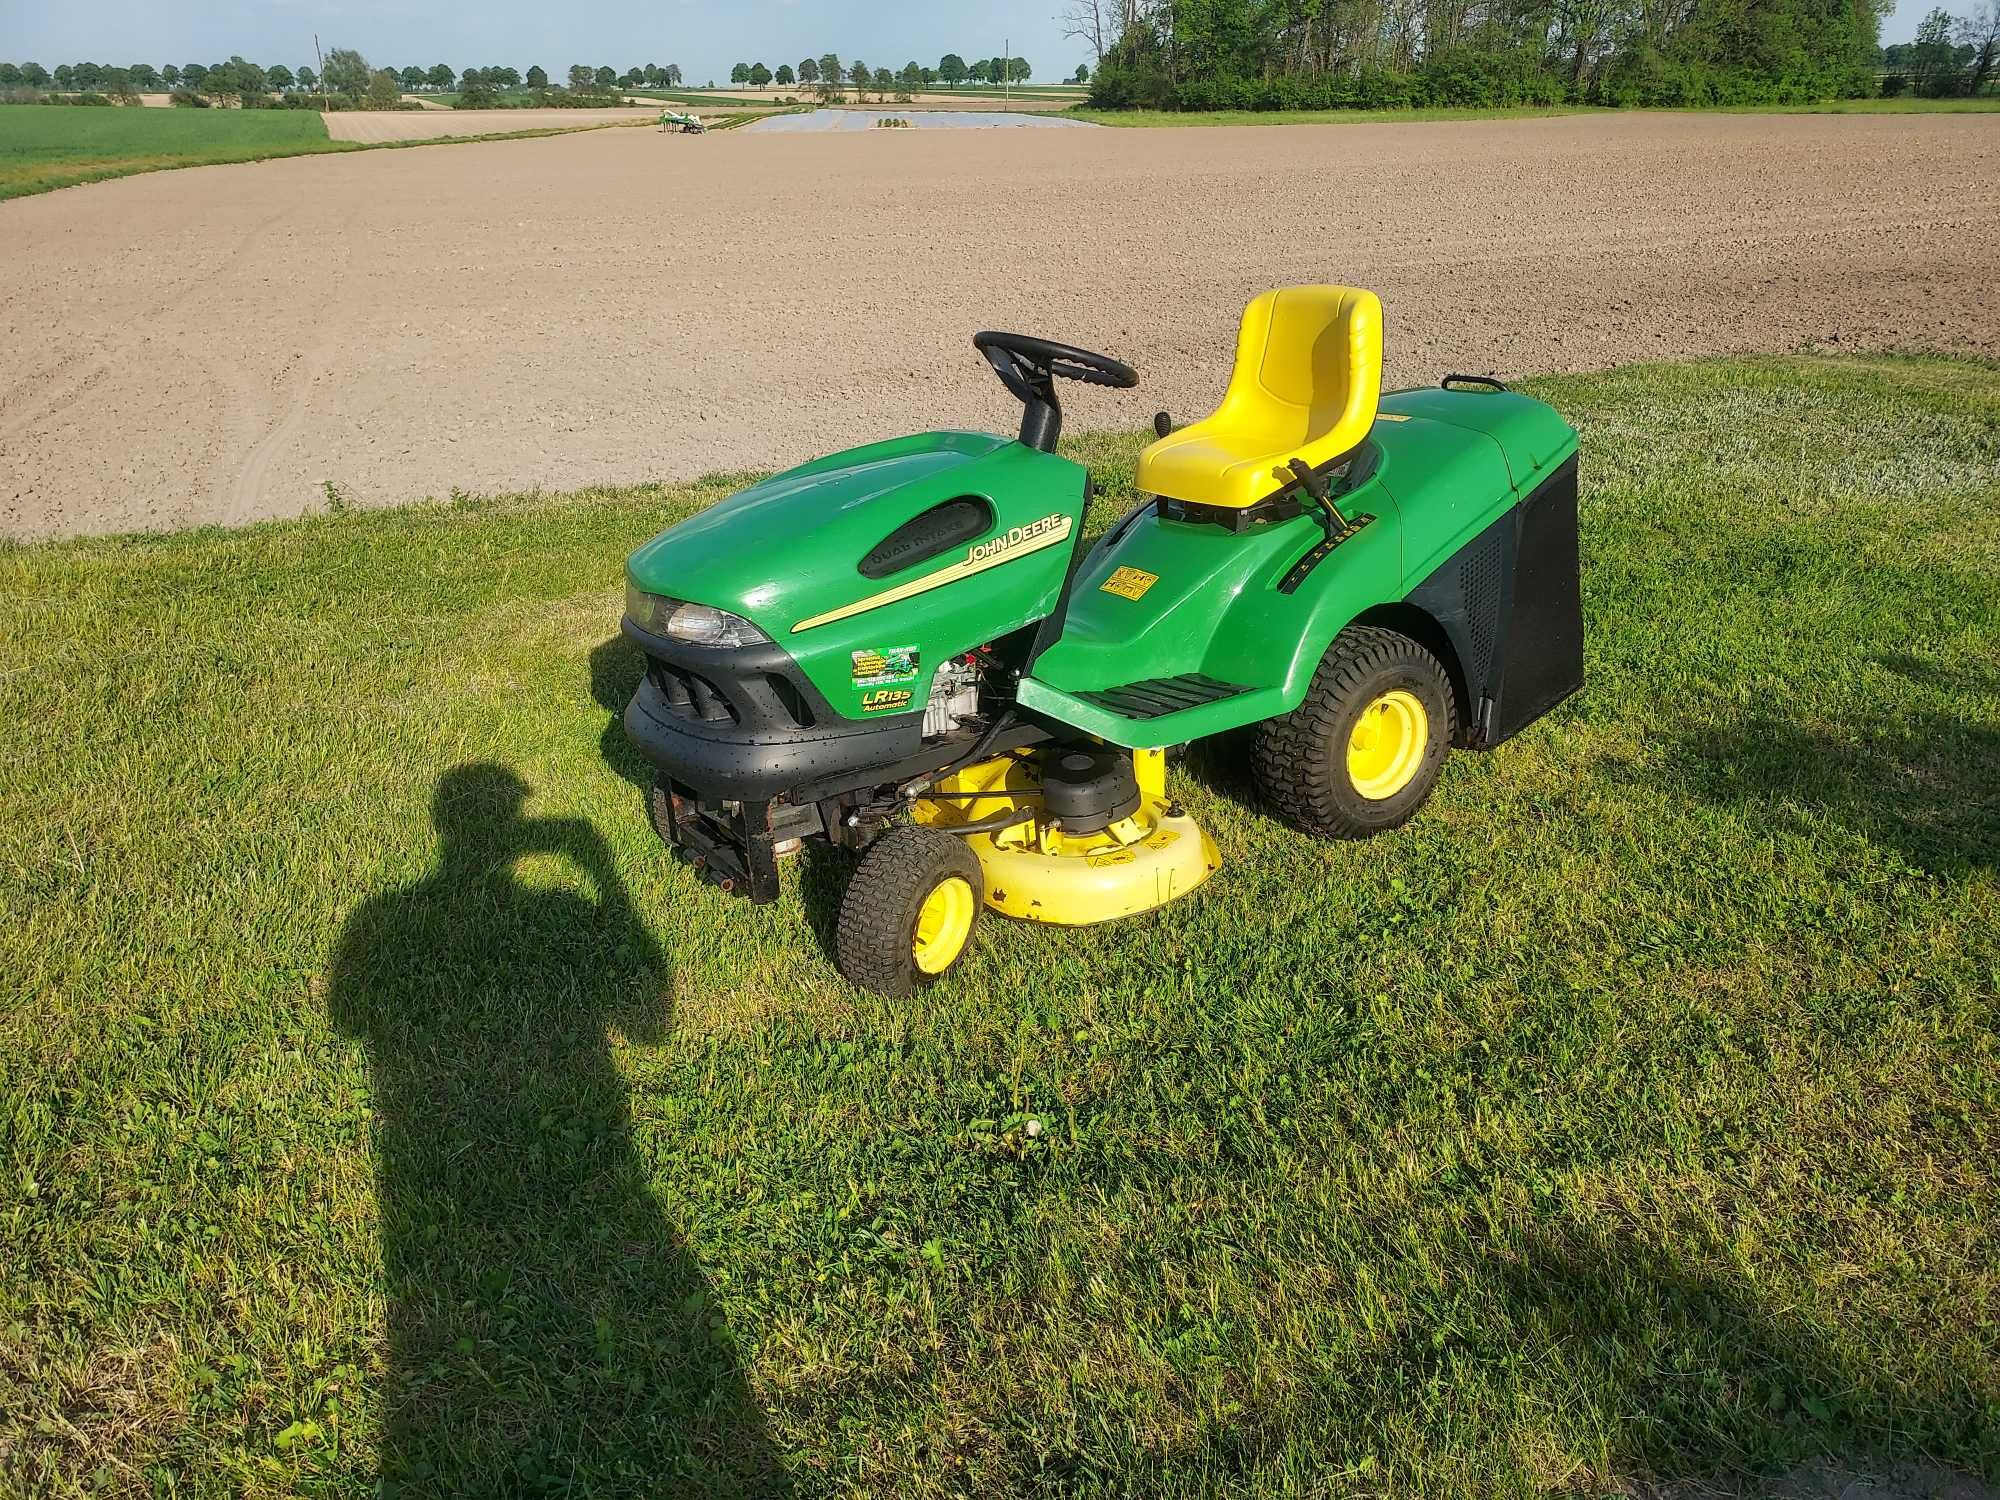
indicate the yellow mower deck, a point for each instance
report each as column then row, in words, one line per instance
column 1037, row 873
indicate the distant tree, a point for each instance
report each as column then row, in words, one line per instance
column 66, row 75
column 146, row 76
column 911, row 76
column 10, row 74
column 830, row 75
column 1018, row 70
column 1082, row 73
column 651, row 73
column 808, row 70
column 476, row 91
column 191, row 74
column 280, row 77
column 784, row 75
column 170, row 75
column 740, row 73
column 759, row 74
column 605, row 78
column 384, row 90
column 439, row 76
column 506, row 78
column 860, row 75
column 673, row 74
column 220, row 83
column 307, row 77
column 1931, row 58
column 88, row 75
column 884, row 80
column 1086, row 21
column 1981, row 32
column 347, row 74
column 930, row 75
column 412, row 77
column 581, row 80
column 34, row 74
column 538, row 77
column 632, row 78
column 951, row 69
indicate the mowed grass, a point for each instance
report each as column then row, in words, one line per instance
column 378, row 1099
column 1155, row 118
column 1143, row 119
column 44, row 147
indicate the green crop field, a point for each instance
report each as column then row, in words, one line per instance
column 377, row 1098
column 44, row 147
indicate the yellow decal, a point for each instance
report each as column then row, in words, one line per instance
column 1161, row 839
column 1018, row 541
column 1110, row 857
column 1128, row 583
column 885, row 698
column 1391, row 416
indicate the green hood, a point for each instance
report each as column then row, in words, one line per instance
column 788, row 552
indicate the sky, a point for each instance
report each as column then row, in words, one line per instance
column 704, row 36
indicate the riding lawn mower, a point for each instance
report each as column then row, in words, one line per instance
column 906, row 649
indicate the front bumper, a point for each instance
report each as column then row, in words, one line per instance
column 745, row 724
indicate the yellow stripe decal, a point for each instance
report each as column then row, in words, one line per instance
column 972, row 563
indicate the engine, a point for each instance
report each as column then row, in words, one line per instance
column 954, row 695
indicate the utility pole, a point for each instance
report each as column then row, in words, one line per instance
column 1006, row 71
column 322, row 72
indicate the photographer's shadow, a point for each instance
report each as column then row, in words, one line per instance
column 545, row 1324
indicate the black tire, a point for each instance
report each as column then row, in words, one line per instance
column 875, row 943
column 1300, row 759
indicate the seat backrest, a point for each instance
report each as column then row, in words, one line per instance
column 1318, row 351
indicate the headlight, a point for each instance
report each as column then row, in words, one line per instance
column 697, row 624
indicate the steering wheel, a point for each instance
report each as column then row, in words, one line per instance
column 1026, row 365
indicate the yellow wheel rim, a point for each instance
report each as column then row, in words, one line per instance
column 944, row 922
column 1387, row 745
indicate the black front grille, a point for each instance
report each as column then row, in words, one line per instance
column 692, row 696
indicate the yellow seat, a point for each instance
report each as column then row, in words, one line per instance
column 1308, row 375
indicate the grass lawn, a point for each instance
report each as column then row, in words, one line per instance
column 1982, row 105
column 1157, row 117
column 1145, row 118
column 44, row 147
column 376, row 1097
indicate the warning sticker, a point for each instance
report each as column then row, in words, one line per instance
column 1391, row 416
column 1128, row 583
column 1110, row 857
column 884, row 664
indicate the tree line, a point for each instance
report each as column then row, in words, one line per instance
column 1327, row 54
column 349, row 78
column 828, row 73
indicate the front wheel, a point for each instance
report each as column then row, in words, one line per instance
column 1361, row 754
column 907, row 917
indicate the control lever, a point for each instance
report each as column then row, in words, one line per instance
column 1331, row 521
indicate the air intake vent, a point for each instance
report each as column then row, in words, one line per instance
column 925, row 536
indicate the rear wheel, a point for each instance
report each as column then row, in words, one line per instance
column 908, row 914
column 1362, row 752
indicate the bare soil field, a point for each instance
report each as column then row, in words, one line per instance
column 217, row 345
column 437, row 120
